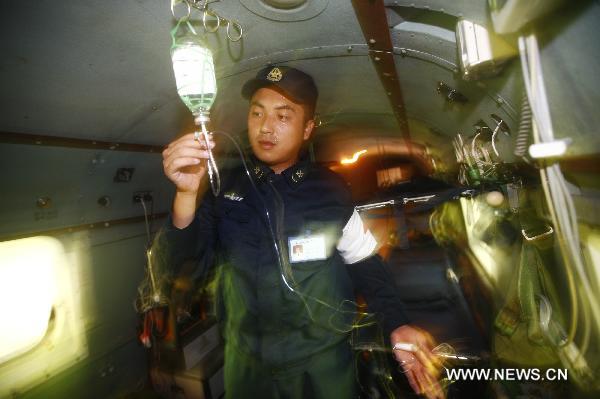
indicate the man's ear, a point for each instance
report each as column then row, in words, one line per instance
column 308, row 129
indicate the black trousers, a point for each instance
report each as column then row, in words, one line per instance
column 325, row 375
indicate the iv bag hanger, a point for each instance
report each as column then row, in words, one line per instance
column 194, row 68
column 182, row 10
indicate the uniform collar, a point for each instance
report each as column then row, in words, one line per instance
column 260, row 171
column 294, row 175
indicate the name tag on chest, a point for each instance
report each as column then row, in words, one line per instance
column 307, row 248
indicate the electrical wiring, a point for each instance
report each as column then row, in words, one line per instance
column 149, row 294
column 558, row 197
column 146, row 219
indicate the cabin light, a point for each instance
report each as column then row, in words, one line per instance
column 353, row 159
column 550, row 149
column 481, row 51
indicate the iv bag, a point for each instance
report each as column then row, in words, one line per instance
column 194, row 73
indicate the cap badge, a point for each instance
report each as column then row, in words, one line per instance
column 275, row 75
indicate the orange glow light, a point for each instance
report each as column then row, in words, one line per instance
column 347, row 161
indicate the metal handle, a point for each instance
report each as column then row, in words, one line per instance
column 550, row 231
column 374, row 205
column 423, row 198
column 175, row 3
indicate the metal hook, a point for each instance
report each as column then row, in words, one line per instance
column 214, row 14
column 237, row 26
column 199, row 4
column 174, row 3
column 202, row 6
column 500, row 126
column 473, row 153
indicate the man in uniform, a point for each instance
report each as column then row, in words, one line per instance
column 284, row 312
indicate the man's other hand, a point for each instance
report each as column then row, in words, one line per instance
column 421, row 367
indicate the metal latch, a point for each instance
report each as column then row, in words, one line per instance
column 545, row 234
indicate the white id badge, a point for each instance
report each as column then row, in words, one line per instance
column 307, row 248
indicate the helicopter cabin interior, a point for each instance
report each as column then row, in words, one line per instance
column 467, row 131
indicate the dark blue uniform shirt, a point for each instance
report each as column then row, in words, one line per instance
column 259, row 313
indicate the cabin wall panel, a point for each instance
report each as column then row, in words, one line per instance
column 421, row 77
column 99, row 379
column 473, row 10
column 73, row 180
column 347, row 85
column 437, row 45
column 266, row 36
column 109, row 290
column 68, row 68
column 570, row 57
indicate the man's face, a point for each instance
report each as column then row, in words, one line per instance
column 277, row 128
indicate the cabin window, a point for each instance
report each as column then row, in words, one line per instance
column 27, row 292
column 42, row 330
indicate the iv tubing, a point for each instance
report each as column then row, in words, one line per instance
column 213, row 171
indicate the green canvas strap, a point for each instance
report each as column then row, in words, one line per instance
column 529, row 282
column 529, row 288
